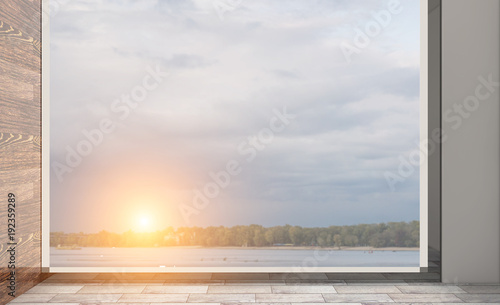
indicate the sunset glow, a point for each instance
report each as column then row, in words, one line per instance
column 144, row 223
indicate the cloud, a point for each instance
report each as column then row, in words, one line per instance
column 326, row 168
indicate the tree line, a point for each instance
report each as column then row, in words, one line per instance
column 392, row 234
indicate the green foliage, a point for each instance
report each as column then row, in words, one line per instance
column 393, row 234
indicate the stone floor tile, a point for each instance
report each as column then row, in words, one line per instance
column 291, row 298
column 304, row 289
column 221, row 298
column 356, row 297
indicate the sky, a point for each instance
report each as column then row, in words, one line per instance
column 204, row 79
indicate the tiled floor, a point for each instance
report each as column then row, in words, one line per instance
column 220, row 288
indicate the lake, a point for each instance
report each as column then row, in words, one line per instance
column 217, row 257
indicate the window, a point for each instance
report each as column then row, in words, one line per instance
column 235, row 135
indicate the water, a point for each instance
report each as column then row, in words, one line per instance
column 217, row 257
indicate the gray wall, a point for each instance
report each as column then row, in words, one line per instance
column 471, row 154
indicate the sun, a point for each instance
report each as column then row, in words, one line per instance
column 144, row 222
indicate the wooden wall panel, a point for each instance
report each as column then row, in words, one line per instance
column 20, row 139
